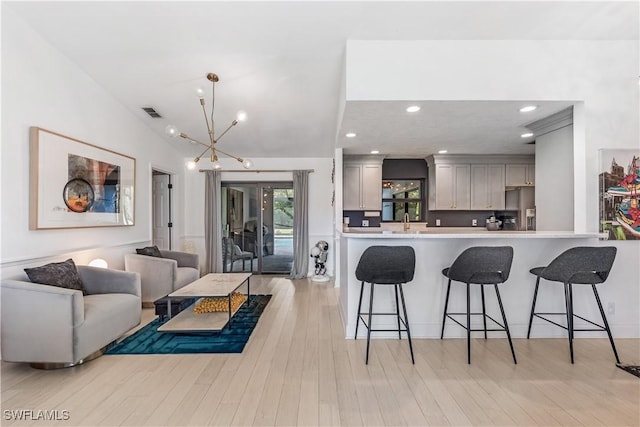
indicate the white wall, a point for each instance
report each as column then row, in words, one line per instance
column 41, row 87
column 320, row 193
column 601, row 76
column 554, row 180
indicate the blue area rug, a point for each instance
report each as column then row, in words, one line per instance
column 229, row 340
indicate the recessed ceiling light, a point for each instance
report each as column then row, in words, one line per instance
column 350, row 135
column 375, row 151
column 442, row 151
column 413, row 109
column 528, row 108
column 526, row 135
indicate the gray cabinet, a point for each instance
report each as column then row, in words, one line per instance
column 520, row 175
column 362, row 189
column 476, row 182
column 487, row 187
column 452, row 191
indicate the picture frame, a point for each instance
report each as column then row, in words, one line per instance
column 619, row 194
column 75, row 184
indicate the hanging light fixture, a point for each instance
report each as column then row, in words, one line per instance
column 211, row 145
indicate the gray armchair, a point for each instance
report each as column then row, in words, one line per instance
column 161, row 276
column 49, row 326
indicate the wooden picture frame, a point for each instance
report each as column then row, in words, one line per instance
column 74, row 184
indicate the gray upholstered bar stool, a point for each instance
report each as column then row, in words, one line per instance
column 480, row 265
column 581, row 265
column 386, row 265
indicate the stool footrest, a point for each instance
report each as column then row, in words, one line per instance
column 475, row 314
column 366, row 325
column 540, row 316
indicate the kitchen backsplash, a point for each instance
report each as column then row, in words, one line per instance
column 458, row 218
column 447, row 218
column 362, row 218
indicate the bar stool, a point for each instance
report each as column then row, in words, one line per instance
column 480, row 265
column 576, row 266
column 386, row 265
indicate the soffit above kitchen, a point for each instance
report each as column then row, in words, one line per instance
column 460, row 127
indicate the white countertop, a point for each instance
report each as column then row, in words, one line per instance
column 458, row 233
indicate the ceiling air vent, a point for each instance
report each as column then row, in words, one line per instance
column 153, row 113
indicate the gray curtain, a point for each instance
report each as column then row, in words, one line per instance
column 212, row 222
column 300, row 266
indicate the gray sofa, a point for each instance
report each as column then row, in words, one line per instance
column 161, row 276
column 52, row 326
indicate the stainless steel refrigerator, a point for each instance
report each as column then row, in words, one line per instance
column 522, row 200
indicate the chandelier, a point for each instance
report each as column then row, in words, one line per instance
column 211, row 145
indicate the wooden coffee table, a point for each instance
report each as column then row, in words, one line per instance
column 211, row 285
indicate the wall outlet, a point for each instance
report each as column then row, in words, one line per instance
column 365, row 222
column 474, row 222
column 437, row 223
column 611, row 308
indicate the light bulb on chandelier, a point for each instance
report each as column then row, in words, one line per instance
column 173, row 131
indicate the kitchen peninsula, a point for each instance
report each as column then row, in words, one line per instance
column 436, row 248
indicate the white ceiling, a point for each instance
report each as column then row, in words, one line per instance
column 283, row 63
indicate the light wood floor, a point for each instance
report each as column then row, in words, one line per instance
column 298, row 369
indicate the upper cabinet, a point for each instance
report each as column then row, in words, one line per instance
column 520, row 175
column 474, row 182
column 487, row 187
column 451, row 190
column 362, row 178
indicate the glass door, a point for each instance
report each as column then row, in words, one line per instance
column 257, row 220
column 277, row 221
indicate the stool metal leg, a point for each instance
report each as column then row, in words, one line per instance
column 395, row 287
column 533, row 306
column 484, row 312
column 369, row 328
column 506, row 325
column 359, row 308
column 606, row 324
column 446, row 304
column 468, row 324
column 569, row 305
column 406, row 321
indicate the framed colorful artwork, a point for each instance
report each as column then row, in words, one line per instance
column 74, row 184
column 619, row 194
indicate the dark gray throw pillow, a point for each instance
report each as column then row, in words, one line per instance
column 60, row 274
column 150, row 251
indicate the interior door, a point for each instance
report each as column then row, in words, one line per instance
column 161, row 206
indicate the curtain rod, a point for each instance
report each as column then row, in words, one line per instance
column 260, row 170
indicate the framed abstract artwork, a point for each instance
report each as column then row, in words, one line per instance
column 619, row 194
column 74, row 184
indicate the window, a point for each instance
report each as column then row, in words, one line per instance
column 403, row 196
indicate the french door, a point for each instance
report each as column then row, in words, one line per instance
column 258, row 218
